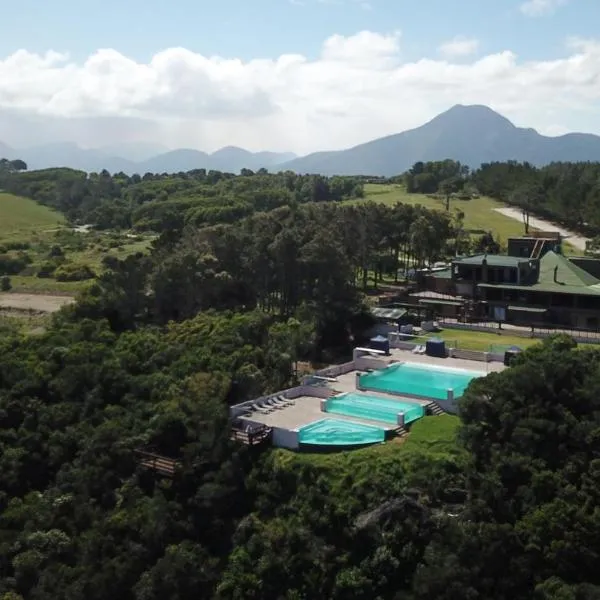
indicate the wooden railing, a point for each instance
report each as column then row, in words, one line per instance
column 162, row 465
column 251, row 435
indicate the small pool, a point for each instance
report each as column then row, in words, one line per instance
column 374, row 408
column 415, row 379
column 335, row 432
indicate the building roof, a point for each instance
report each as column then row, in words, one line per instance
column 558, row 275
column 391, row 314
column 493, row 260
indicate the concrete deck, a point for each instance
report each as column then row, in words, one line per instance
column 305, row 410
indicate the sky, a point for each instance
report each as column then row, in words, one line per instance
column 289, row 75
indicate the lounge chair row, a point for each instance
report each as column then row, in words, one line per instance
column 272, row 404
column 419, row 350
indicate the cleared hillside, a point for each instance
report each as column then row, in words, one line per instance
column 21, row 216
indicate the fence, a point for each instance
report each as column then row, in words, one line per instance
column 533, row 331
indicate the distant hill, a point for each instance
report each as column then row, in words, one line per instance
column 66, row 154
column 469, row 134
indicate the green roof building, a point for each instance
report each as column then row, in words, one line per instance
column 551, row 290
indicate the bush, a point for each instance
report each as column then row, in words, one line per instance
column 13, row 265
column 47, row 270
column 56, row 251
column 5, row 284
column 74, row 273
column 17, row 245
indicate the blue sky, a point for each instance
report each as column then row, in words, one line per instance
column 267, row 28
column 354, row 70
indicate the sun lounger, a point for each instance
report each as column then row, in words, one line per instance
column 260, row 409
column 286, row 401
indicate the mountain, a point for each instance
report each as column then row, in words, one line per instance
column 142, row 158
column 134, row 151
column 470, row 134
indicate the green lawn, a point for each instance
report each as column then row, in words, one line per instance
column 479, row 340
column 21, row 217
column 479, row 213
column 482, row 340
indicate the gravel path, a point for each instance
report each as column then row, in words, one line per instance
column 35, row 302
column 575, row 240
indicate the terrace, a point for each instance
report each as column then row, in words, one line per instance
column 286, row 413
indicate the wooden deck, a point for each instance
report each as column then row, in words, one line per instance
column 254, row 434
column 161, row 465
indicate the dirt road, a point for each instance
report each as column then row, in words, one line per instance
column 34, row 302
column 575, row 240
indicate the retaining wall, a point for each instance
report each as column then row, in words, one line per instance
column 285, row 438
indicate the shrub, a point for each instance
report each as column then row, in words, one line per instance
column 47, row 270
column 56, row 251
column 13, row 265
column 17, row 245
column 5, row 284
column 74, row 273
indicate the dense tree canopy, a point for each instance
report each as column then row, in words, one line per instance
column 250, row 275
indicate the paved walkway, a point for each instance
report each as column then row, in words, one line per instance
column 574, row 239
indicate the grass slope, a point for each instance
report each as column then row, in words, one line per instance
column 22, row 216
column 480, row 213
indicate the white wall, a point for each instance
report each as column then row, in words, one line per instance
column 367, row 362
column 285, row 438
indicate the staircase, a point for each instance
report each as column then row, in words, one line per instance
column 400, row 431
column 537, row 249
column 433, row 408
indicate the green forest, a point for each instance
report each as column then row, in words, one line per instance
column 248, row 275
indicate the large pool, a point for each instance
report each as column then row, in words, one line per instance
column 374, row 408
column 415, row 379
column 335, row 432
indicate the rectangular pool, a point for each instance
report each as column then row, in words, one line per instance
column 374, row 408
column 416, row 379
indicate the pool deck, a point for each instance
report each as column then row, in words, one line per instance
column 347, row 382
column 307, row 409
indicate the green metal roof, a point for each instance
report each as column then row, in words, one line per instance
column 567, row 272
column 558, row 275
column 493, row 260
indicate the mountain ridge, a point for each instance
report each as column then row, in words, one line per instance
column 471, row 134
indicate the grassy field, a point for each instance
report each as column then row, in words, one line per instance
column 479, row 340
column 480, row 215
column 29, row 228
column 21, row 217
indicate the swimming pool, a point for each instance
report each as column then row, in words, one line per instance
column 415, row 379
column 374, row 408
column 335, row 432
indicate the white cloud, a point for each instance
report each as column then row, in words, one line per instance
column 459, row 46
column 358, row 88
column 538, row 8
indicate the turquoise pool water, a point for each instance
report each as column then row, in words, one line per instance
column 374, row 408
column 429, row 381
column 335, row 432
